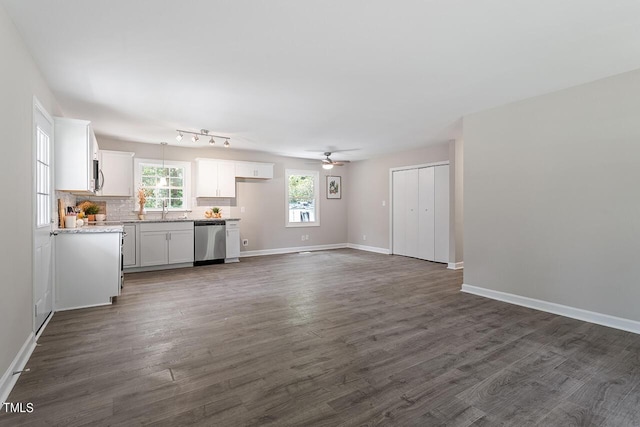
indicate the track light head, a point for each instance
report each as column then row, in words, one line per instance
column 195, row 138
column 179, row 136
column 226, row 144
column 212, row 141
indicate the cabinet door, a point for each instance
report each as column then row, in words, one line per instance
column 116, row 173
column 264, row 170
column 426, row 214
column 245, row 170
column 153, row 248
column 441, row 232
column 180, row 246
column 232, row 241
column 226, row 180
column 129, row 247
column 73, row 154
column 207, row 179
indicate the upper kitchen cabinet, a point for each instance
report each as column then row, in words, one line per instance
column 76, row 156
column 116, row 173
column 215, row 178
column 254, row 170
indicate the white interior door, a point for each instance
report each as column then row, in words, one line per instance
column 426, row 214
column 399, row 224
column 43, row 239
column 411, row 212
column 441, row 220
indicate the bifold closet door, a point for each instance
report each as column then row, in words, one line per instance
column 441, row 220
column 405, row 213
column 426, row 214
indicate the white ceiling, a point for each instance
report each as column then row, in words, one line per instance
column 287, row 76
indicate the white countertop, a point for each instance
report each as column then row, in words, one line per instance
column 107, row 228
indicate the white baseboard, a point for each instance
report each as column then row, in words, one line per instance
column 279, row 251
column 562, row 310
column 377, row 250
column 455, row 265
column 8, row 380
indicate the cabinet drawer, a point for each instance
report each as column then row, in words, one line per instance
column 230, row 225
column 166, row 226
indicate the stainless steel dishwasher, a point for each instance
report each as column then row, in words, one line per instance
column 210, row 242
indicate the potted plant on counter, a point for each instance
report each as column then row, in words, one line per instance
column 90, row 210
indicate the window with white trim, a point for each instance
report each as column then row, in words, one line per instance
column 171, row 183
column 302, row 189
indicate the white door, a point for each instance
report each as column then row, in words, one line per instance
column 426, row 214
column 399, row 210
column 441, row 220
column 411, row 199
column 43, row 239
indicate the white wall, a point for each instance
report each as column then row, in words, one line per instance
column 263, row 219
column 368, row 187
column 552, row 207
column 19, row 82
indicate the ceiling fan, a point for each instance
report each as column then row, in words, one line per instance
column 327, row 163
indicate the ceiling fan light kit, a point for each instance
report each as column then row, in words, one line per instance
column 203, row 132
column 328, row 164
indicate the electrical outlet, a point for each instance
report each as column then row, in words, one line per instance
column 302, row 238
column 306, row 237
column 242, row 210
column 364, row 237
column 384, row 203
column 245, row 242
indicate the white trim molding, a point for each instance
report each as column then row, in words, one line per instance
column 562, row 310
column 377, row 250
column 455, row 265
column 8, row 379
column 279, row 251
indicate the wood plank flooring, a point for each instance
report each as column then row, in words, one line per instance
column 332, row 338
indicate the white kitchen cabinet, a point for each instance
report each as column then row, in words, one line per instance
column 181, row 246
column 163, row 243
column 87, row 269
column 215, row 178
column 232, row 241
column 129, row 246
column 75, row 149
column 421, row 213
column 254, row 170
column 116, row 173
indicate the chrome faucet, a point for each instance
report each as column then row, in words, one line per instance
column 165, row 209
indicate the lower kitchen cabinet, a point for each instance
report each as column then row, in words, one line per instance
column 87, row 269
column 166, row 243
column 129, row 246
column 232, row 241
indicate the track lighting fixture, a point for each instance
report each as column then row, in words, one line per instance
column 203, row 132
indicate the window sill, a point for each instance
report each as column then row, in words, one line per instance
column 302, row 224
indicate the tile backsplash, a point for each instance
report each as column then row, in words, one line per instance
column 122, row 209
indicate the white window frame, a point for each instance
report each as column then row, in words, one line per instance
column 316, row 197
column 186, row 181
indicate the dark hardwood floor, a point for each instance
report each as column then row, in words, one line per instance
column 330, row 338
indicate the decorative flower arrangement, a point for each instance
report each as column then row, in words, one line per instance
column 142, row 199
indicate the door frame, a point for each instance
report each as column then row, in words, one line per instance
column 402, row 168
column 38, row 107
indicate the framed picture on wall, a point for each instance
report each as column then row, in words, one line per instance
column 334, row 187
